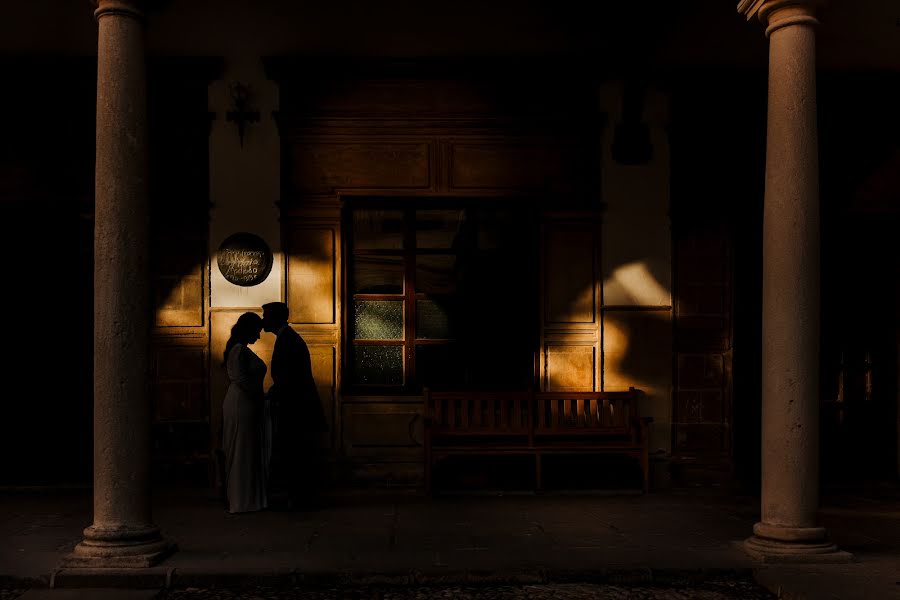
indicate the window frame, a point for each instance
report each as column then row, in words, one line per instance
column 529, row 217
column 412, row 384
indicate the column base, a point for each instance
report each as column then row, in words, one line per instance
column 120, row 548
column 780, row 544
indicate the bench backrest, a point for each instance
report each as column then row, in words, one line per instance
column 550, row 413
column 584, row 412
column 479, row 412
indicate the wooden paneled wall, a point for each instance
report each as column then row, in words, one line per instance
column 311, row 239
column 346, row 134
column 179, row 198
column 703, row 351
column 434, row 159
column 570, row 303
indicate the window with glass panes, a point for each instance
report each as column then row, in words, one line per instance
column 422, row 288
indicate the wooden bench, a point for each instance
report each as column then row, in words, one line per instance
column 534, row 424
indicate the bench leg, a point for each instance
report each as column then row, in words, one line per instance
column 645, row 469
column 428, row 466
column 429, row 476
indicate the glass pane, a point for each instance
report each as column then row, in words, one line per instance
column 378, row 229
column 377, row 274
column 378, row 365
column 378, row 320
column 434, row 318
column 436, row 274
column 495, row 227
column 439, row 228
column 438, row 366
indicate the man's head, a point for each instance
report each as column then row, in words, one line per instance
column 275, row 316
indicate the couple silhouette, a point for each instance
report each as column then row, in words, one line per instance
column 270, row 438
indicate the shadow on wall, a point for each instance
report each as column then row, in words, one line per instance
column 637, row 351
column 636, row 345
column 178, row 180
column 46, row 189
column 637, row 348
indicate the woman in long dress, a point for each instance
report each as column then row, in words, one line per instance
column 242, row 412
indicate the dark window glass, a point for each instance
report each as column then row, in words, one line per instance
column 378, row 365
column 471, row 273
column 439, row 366
column 436, row 274
column 494, row 228
column 439, row 228
column 378, row 229
column 378, row 320
column 377, row 274
column 434, row 318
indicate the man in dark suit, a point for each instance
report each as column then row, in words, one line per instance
column 297, row 411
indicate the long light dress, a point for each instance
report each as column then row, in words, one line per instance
column 243, row 431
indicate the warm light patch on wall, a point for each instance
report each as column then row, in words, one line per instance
column 638, row 284
column 312, row 276
column 615, row 348
column 230, row 295
column 179, row 297
column 570, row 367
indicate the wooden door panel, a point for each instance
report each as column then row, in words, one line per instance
column 312, row 275
column 570, row 299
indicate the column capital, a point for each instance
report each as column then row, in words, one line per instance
column 128, row 8
column 776, row 14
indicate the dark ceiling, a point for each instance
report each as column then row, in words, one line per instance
column 862, row 34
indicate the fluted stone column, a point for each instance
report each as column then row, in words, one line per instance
column 122, row 534
column 788, row 530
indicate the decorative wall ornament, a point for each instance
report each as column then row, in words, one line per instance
column 241, row 96
column 244, row 259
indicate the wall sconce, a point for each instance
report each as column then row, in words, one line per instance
column 242, row 113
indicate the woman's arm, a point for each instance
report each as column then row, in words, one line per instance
column 246, row 381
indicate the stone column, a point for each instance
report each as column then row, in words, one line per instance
column 122, row 534
column 790, row 311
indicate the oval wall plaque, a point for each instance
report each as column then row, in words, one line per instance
column 244, row 259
